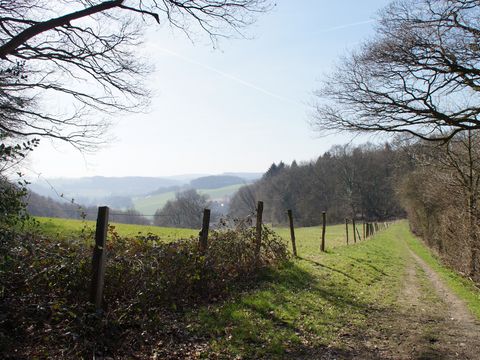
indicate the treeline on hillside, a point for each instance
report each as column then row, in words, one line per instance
column 38, row 205
column 345, row 182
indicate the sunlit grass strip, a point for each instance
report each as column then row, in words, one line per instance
column 308, row 238
column 65, row 228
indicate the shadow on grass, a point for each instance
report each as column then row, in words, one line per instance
column 315, row 263
column 365, row 262
column 292, row 314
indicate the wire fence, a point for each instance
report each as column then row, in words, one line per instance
column 90, row 211
column 126, row 213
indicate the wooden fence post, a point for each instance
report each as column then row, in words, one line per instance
column 346, row 228
column 292, row 232
column 363, row 230
column 358, row 234
column 354, row 233
column 324, row 225
column 258, row 238
column 98, row 258
column 203, row 241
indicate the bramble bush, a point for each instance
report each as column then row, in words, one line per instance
column 45, row 284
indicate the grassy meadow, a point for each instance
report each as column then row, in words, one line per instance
column 63, row 228
column 310, row 304
column 308, row 239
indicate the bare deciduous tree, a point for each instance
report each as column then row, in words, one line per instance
column 83, row 53
column 185, row 211
column 420, row 75
column 442, row 196
column 244, row 202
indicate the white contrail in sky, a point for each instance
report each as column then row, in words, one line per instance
column 231, row 77
column 247, row 83
column 339, row 27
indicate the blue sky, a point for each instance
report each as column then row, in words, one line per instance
column 239, row 107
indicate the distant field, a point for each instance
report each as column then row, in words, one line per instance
column 221, row 193
column 148, row 205
column 308, row 238
column 64, row 228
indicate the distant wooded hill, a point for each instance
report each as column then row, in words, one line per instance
column 345, row 182
column 100, row 187
column 215, row 182
column 38, row 205
column 144, row 194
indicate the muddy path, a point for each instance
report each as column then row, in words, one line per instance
column 430, row 322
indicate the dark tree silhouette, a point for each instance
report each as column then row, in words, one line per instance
column 84, row 53
column 420, row 75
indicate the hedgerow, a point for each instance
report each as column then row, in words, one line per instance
column 45, row 283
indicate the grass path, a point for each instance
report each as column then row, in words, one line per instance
column 372, row 300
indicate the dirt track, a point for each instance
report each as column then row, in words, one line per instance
column 431, row 322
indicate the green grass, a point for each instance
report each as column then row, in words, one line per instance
column 462, row 287
column 148, row 205
column 309, row 303
column 308, row 239
column 63, row 228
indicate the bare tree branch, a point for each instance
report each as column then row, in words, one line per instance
column 84, row 53
column 419, row 76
